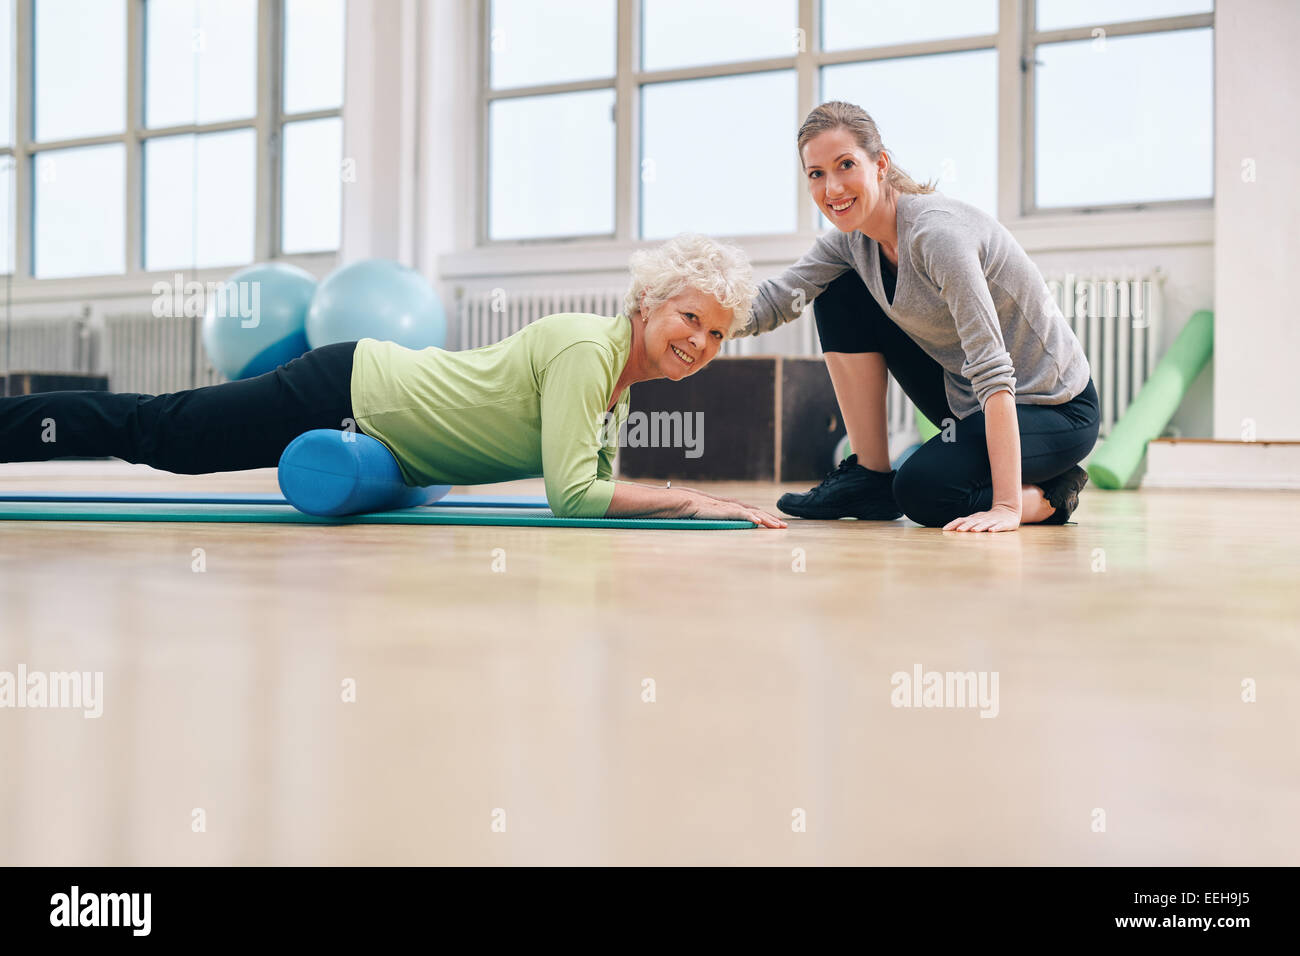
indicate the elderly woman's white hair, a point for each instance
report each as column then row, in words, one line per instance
column 696, row 262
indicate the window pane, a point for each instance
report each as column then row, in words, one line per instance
column 199, row 212
column 311, row 186
column 851, row 24
column 937, row 114
column 200, row 61
column 313, row 55
column 7, row 214
column 80, row 224
column 6, row 73
column 677, row 33
column 718, row 155
column 80, row 68
column 551, row 165
column 1058, row 14
column 1130, row 119
column 558, row 41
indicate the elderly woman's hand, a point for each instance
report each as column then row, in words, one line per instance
column 728, row 509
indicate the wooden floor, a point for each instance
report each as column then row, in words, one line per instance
column 516, row 698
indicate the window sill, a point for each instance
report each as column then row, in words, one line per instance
column 1040, row 233
column 29, row 291
column 1113, row 230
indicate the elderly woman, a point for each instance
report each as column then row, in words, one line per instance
column 538, row 403
column 939, row 293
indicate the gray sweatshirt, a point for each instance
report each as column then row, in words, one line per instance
column 966, row 293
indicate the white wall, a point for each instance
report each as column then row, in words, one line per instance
column 449, row 133
column 381, row 112
column 1257, row 223
column 410, row 116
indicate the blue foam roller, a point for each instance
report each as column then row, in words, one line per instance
column 247, row 498
column 336, row 473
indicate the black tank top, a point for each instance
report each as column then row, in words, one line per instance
column 887, row 275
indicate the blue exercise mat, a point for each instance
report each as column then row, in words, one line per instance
column 249, row 498
column 286, row 514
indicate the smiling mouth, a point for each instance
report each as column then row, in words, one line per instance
column 681, row 355
column 840, row 208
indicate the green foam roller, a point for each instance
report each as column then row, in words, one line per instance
column 927, row 428
column 1118, row 457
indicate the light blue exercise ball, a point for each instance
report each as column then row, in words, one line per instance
column 257, row 322
column 376, row 299
column 905, row 454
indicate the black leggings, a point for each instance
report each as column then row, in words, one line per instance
column 950, row 479
column 227, row 427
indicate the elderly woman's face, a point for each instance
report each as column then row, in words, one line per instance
column 684, row 333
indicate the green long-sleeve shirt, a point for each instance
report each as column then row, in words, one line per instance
column 531, row 405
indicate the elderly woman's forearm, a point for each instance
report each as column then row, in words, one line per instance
column 641, row 501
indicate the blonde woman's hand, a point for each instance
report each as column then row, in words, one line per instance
column 996, row 518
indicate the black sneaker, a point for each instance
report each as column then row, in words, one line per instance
column 1062, row 493
column 850, row 491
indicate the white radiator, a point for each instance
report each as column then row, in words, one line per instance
column 152, row 355
column 1117, row 318
column 60, row 344
column 488, row 317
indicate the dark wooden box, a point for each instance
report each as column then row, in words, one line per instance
column 753, row 418
column 29, row 383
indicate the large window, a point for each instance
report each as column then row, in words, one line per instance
column 693, row 33
column 77, row 191
column 200, row 194
column 711, row 144
column 852, row 24
column 311, row 126
column 551, row 165
column 682, row 116
column 150, row 143
column 710, row 148
column 199, row 188
column 550, row 151
column 1123, row 112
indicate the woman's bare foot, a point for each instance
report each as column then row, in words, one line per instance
column 1034, row 506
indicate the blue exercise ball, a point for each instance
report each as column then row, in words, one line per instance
column 257, row 322
column 905, row 454
column 376, row 299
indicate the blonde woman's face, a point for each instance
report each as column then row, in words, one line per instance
column 684, row 333
column 842, row 179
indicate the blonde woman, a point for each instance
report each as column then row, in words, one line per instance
column 542, row 402
column 940, row 294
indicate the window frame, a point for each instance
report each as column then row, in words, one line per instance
column 279, row 119
column 1173, row 222
column 268, row 124
column 1034, row 38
